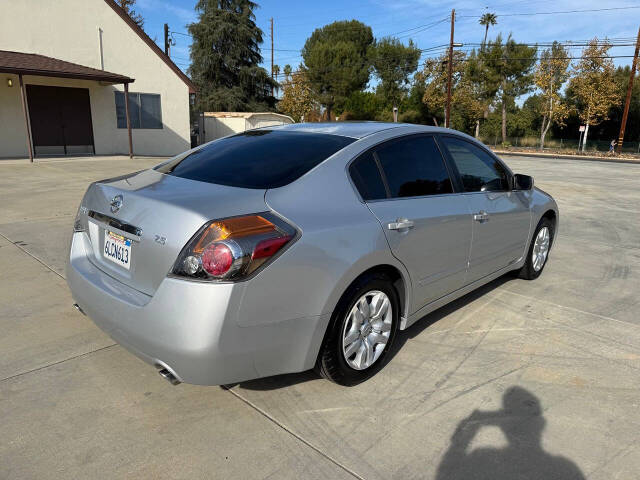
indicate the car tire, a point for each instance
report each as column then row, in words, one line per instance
column 534, row 265
column 336, row 361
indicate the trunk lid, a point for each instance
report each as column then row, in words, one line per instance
column 157, row 216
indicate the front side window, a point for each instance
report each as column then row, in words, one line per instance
column 257, row 158
column 478, row 170
column 144, row 110
column 414, row 167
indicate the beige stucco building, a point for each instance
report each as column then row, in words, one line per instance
column 82, row 54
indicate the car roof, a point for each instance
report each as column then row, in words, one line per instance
column 351, row 129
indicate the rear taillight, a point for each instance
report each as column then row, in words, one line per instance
column 80, row 222
column 233, row 248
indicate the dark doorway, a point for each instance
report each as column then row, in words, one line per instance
column 60, row 120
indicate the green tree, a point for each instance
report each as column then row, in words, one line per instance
column 487, row 20
column 336, row 61
column 225, row 58
column 484, row 83
column 551, row 73
column 127, row 6
column 512, row 63
column 593, row 85
column 361, row 106
column 612, row 127
column 393, row 64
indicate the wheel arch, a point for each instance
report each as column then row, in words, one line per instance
column 400, row 281
column 396, row 273
column 551, row 215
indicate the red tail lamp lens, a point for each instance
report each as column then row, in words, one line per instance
column 269, row 247
column 217, row 259
column 231, row 249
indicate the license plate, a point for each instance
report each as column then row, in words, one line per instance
column 117, row 249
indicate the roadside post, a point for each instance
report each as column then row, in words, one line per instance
column 581, row 130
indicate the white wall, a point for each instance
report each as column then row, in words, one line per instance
column 218, row 127
column 68, row 30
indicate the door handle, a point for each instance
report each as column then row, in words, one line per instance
column 400, row 223
column 481, row 216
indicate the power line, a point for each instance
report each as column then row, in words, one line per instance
column 422, row 64
column 523, row 14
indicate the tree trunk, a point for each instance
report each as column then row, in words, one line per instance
column 543, row 131
column 435, row 121
column 584, row 137
column 477, row 134
column 486, row 30
column 329, row 113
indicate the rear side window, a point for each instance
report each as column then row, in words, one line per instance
column 414, row 167
column 478, row 170
column 257, row 159
column 366, row 177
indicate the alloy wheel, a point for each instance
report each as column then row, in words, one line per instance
column 540, row 249
column 367, row 330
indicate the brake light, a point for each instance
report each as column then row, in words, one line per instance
column 217, row 259
column 233, row 248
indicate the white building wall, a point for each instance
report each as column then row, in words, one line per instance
column 69, row 30
column 221, row 126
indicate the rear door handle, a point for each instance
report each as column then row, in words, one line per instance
column 481, row 216
column 400, row 223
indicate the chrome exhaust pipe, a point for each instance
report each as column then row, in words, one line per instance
column 77, row 307
column 169, row 377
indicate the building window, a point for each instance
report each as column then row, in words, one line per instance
column 144, row 109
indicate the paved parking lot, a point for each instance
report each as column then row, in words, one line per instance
column 542, row 377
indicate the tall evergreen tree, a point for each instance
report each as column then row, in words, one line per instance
column 225, row 58
column 336, row 60
column 512, row 63
column 127, row 6
column 393, row 64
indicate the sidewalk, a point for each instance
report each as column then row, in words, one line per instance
column 564, row 156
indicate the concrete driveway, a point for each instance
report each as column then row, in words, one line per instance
column 540, row 378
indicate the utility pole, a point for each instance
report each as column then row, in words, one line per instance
column 272, row 55
column 628, row 99
column 166, row 39
column 447, row 113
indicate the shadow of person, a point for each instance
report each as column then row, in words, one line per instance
column 523, row 458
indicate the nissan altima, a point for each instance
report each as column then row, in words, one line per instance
column 300, row 246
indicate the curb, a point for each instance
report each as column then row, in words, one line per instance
column 568, row 157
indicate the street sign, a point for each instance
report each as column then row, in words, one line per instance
column 581, row 128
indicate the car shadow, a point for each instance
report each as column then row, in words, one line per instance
column 290, row 379
column 522, row 423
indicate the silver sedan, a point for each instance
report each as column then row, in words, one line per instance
column 302, row 246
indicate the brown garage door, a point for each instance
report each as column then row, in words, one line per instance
column 60, row 120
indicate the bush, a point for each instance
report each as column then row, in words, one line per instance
column 411, row 116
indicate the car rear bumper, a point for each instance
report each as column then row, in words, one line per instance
column 191, row 328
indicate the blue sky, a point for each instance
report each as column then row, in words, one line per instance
column 295, row 20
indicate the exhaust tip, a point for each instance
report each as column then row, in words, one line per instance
column 77, row 307
column 169, row 377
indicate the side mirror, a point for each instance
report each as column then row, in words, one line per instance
column 522, row 182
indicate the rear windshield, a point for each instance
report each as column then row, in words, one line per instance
column 257, row 159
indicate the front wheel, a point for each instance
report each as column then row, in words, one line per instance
column 538, row 253
column 363, row 328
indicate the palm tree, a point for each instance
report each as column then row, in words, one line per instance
column 487, row 19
